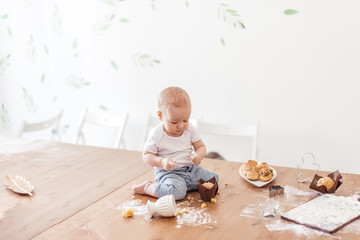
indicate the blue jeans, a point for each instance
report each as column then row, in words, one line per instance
column 179, row 181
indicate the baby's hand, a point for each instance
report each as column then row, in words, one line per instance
column 168, row 164
column 195, row 159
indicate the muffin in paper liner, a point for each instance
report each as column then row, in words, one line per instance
column 205, row 193
column 335, row 176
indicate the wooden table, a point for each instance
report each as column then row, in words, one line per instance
column 80, row 193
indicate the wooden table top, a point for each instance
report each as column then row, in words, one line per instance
column 80, row 193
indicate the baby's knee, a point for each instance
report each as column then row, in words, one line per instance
column 179, row 191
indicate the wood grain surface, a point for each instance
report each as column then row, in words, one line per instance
column 227, row 218
column 67, row 179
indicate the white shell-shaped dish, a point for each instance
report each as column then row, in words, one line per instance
column 18, row 184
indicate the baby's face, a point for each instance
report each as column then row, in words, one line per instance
column 176, row 120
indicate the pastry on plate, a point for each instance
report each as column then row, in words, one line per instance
column 265, row 174
column 260, row 166
column 253, row 175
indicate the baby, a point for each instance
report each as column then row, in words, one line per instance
column 174, row 148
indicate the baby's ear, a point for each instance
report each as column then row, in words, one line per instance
column 159, row 115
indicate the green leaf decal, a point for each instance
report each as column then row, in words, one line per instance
column 290, row 12
column 227, row 14
column 76, row 81
column 104, row 108
column 46, row 49
column 4, row 64
column 103, row 24
column 74, row 48
column 187, row 4
column 222, row 41
column 31, row 50
column 5, row 16
column 114, row 65
column 144, row 60
column 43, row 77
column 29, row 101
column 5, row 121
column 153, row 5
column 111, row 2
column 57, row 21
column 124, row 20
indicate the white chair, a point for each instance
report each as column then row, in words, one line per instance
column 223, row 137
column 102, row 120
column 151, row 122
column 52, row 123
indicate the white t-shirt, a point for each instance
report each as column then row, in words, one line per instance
column 177, row 148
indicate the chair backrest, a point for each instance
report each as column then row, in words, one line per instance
column 103, row 120
column 52, row 123
column 151, row 122
column 227, row 133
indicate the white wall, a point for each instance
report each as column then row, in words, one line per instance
column 298, row 74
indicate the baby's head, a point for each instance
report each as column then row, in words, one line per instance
column 174, row 109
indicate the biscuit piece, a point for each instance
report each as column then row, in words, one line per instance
column 208, row 185
column 128, row 212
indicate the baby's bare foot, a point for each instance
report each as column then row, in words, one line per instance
column 140, row 188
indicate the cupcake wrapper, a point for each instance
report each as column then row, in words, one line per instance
column 335, row 176
column 205, row 193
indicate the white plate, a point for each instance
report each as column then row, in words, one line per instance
column 259, row 183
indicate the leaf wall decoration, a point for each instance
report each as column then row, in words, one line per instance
column 74, row 48
column 4, row 64
column 103, row 24
column 29, row 101
column 153, row 5
column 144, row 60
column 222, row 42
column 124, row 20
column 31, row 50
column 9, row 31
column 18, row 184
column 187, row 4
column 290, row 12
column 57, row 21
column 230, row 15
column 104, row 108
column 43, row 78
column 5, row 16
column 113, row 64
column 76, row 81
column 26, row 3
column 5, row 121
column 46, row 49
column 111, row 2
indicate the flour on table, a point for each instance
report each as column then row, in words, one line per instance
column 327, row 212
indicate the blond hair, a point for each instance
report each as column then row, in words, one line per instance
column 173, row 96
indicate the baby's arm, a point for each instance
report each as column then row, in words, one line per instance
column 200, row 152
column 166, row 163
